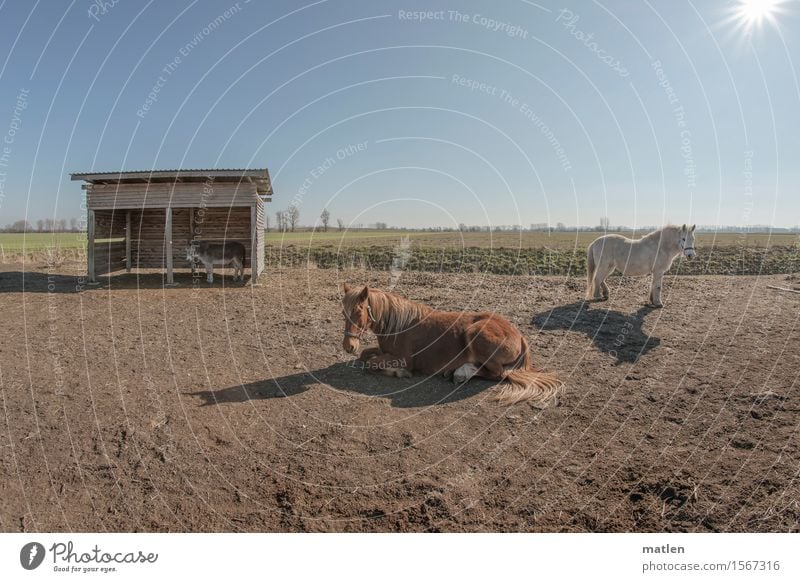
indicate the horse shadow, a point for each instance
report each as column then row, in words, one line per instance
column 416, row 392
column 615, row 333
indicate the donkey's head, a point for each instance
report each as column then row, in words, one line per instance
column 686, row 242
column 191, row 253
column 357, row 316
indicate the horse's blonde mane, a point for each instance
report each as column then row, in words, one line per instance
column 393, row 314
column 664, row 229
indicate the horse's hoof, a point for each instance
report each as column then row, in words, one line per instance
column 464, row 373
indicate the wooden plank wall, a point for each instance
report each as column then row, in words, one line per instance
column 197, row 194
column 109, row 257
column 211, row 225
column 109, row 224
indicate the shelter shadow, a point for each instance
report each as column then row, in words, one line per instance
column 39, row 282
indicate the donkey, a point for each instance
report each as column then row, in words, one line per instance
column 217, row 254
column 653, row 253
column 413, row 337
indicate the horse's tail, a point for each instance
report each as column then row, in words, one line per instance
column 526, row 383
column 591, row 267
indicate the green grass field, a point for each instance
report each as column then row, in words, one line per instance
column 34, row 241
column 561, row 253
column 497, row 240
column 520, row 253
column 13, row 242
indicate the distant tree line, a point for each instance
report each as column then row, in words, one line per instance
column 43, row 225
column 289, row 221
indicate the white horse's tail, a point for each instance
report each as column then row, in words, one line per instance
column 591, row 267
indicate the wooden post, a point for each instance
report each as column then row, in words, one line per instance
column 191, row 226
column 168, row 245
column 191, row 237
column 90, row 247
column 128, row 237
column 253, row 246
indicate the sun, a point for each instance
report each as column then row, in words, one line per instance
column 753, row 13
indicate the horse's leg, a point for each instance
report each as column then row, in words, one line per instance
column 655, row 289
column 600, row 287
column 388, row 365
column 209, row 271
column 591, row 266
column 369, row 353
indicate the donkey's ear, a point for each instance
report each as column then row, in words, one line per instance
column 364, row 293
column 693, row 227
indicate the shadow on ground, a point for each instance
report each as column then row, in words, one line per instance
column 413, row 392
column 612, row 332
column 39, row 282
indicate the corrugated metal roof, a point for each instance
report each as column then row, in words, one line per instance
column 260, row 176
column 173, row 171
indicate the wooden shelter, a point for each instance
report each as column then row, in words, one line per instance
column 147, row 219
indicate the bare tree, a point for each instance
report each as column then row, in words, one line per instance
column 73, row 224
column 325, row 217
column 280, row 220
column 293, row 216
column 20, row 226
column 40, row 225
column 340, row 222
column 604, row 224
column 266, row 222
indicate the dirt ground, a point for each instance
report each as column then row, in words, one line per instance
column 232, row 408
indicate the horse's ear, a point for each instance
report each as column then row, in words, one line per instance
column 346, row 288
column 364, row 293
column 683, row 228
column 693, row 227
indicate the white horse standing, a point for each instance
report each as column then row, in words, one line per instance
column 653, row 253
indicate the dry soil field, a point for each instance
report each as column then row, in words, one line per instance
column 132, row 407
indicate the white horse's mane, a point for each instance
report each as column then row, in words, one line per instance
column 664, row 229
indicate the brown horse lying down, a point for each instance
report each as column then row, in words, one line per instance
column 414, row 337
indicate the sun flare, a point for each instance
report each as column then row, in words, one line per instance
column 753, row 13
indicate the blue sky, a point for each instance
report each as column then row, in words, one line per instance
column 509, row 112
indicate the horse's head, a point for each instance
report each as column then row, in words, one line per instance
column 357, row 317
column 687, row 241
